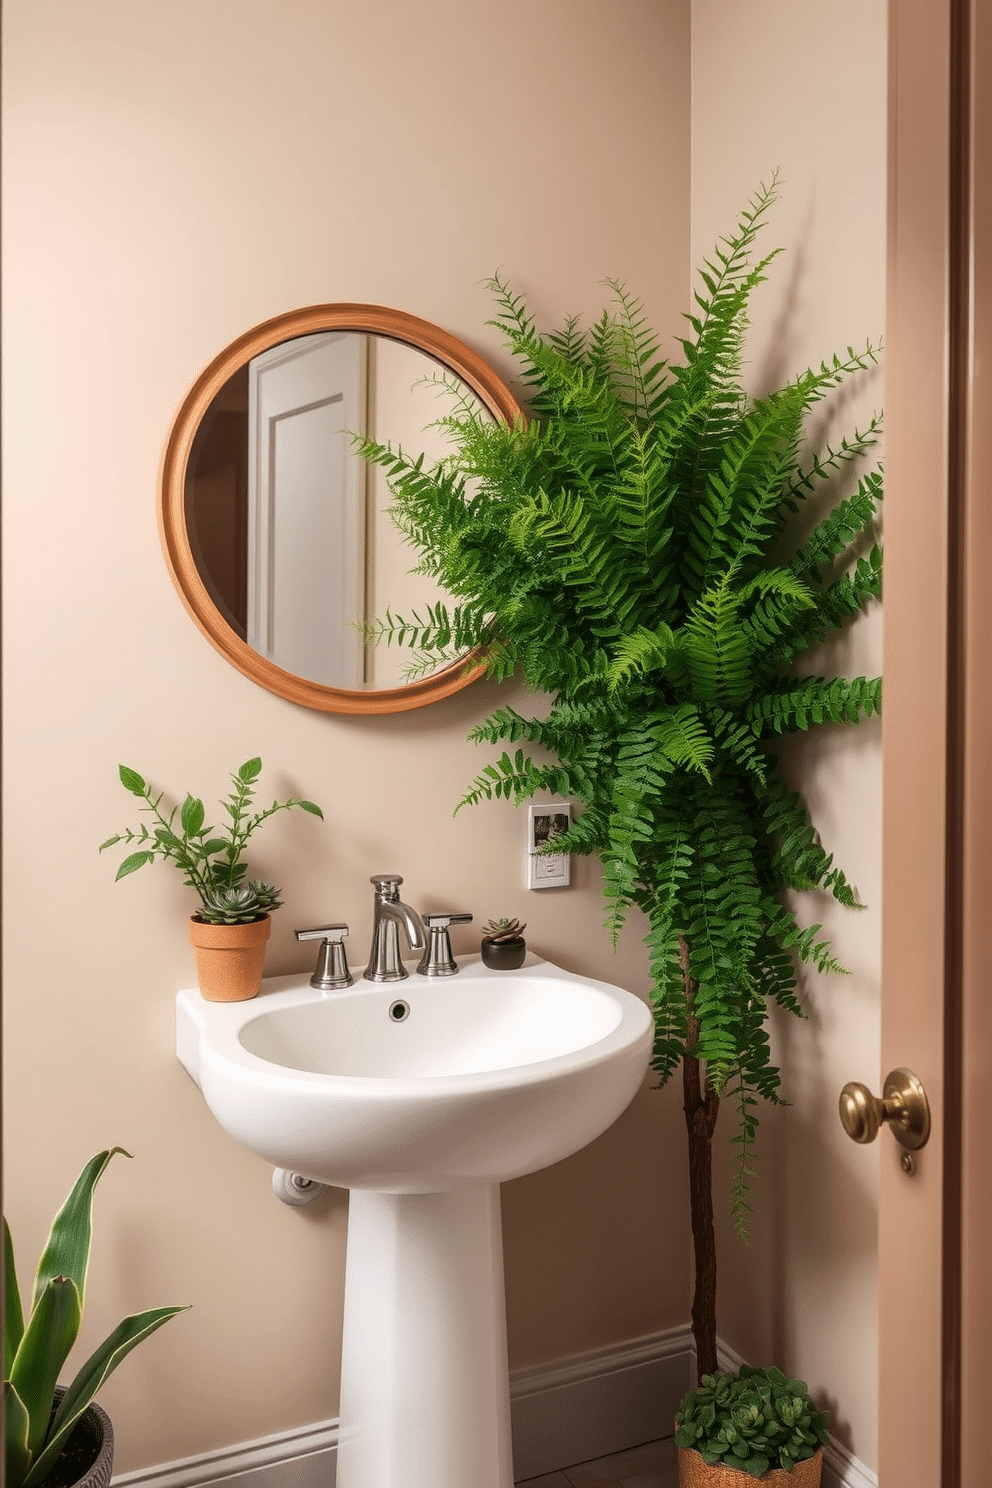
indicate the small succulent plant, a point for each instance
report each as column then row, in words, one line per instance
column 241, row 905
column 753, row 1420
column 498, row 932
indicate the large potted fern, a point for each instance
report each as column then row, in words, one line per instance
column 622, row 550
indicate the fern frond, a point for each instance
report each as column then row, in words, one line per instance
column 823, row 467
column 834, row 606
column 711, row 650
column 799, row 861
column 839, row 529
column 813, row 700
column 516, row 780
column 641, row 651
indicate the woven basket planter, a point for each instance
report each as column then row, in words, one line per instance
column 87, row 1459
column 229, row 958
column 695, row 1472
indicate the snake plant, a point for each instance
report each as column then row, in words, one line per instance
column 36, row 1347
column 631, row 550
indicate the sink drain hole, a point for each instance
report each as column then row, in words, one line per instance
column 399, row 1010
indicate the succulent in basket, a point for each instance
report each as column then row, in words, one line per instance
column 503, row 944
column 754, row 1420
column 36, row 1348
column 210, row 859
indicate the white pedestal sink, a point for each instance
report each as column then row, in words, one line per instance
column 421, row 1097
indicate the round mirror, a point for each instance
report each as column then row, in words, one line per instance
column 278, row 536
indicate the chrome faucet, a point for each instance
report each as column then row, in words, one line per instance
column 437, row 960
column 389, row 913
column 331, row 974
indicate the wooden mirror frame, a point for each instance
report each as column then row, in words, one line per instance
column 370, row 319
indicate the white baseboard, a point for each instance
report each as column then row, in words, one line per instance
column 595, row 1403
column 586, row 1406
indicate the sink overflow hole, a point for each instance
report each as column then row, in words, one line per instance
column 399, row 1010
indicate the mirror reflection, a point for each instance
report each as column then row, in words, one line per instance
column 288, row 528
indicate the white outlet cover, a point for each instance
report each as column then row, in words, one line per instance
column 545, row 821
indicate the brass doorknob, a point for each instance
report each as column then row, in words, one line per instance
column 903, row 1105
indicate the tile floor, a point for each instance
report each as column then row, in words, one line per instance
column 655, row 1465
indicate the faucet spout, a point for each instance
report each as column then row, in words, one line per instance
column 413, row 925
column 389, row 916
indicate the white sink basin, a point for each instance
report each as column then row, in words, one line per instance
column 490, row 1074
column 421, row 1097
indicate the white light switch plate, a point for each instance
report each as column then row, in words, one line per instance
column 544, row 822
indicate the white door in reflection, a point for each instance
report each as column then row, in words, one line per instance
column 306, row 506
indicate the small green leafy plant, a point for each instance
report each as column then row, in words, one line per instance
column 498, row 932
column 211, row 860
column 36, row 1350
column 753, row 1420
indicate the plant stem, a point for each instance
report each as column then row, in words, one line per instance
column 701, row 1105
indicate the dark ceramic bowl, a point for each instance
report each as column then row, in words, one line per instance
column 504, row 955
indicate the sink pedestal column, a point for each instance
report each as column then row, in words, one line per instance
column 424, row 1385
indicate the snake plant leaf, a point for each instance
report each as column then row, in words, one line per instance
column 67, row 1251
column 48, row 1337
column 98, row 1367
column 16, row 1451
column 13, row 1313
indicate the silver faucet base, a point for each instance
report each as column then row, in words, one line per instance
column 371, row 975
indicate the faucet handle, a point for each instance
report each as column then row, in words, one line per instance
column 437, row 959
column 332, row 971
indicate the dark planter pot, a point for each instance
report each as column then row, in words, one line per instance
column 87, row 1459
column 504, row 955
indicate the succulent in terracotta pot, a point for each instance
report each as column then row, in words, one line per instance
column 503, row 944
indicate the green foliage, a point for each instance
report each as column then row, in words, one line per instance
column 753, row 1420
column 36, row 1348
column 240, row 905
column 210, row 859
column 627, row 550
column 503, row 930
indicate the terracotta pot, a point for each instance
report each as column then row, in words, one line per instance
column 504, row 955
column 229, row 958
column 87, row 1458
column 695, row 1472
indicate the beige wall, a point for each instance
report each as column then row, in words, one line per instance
column 801, row 86
column 173, row 174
